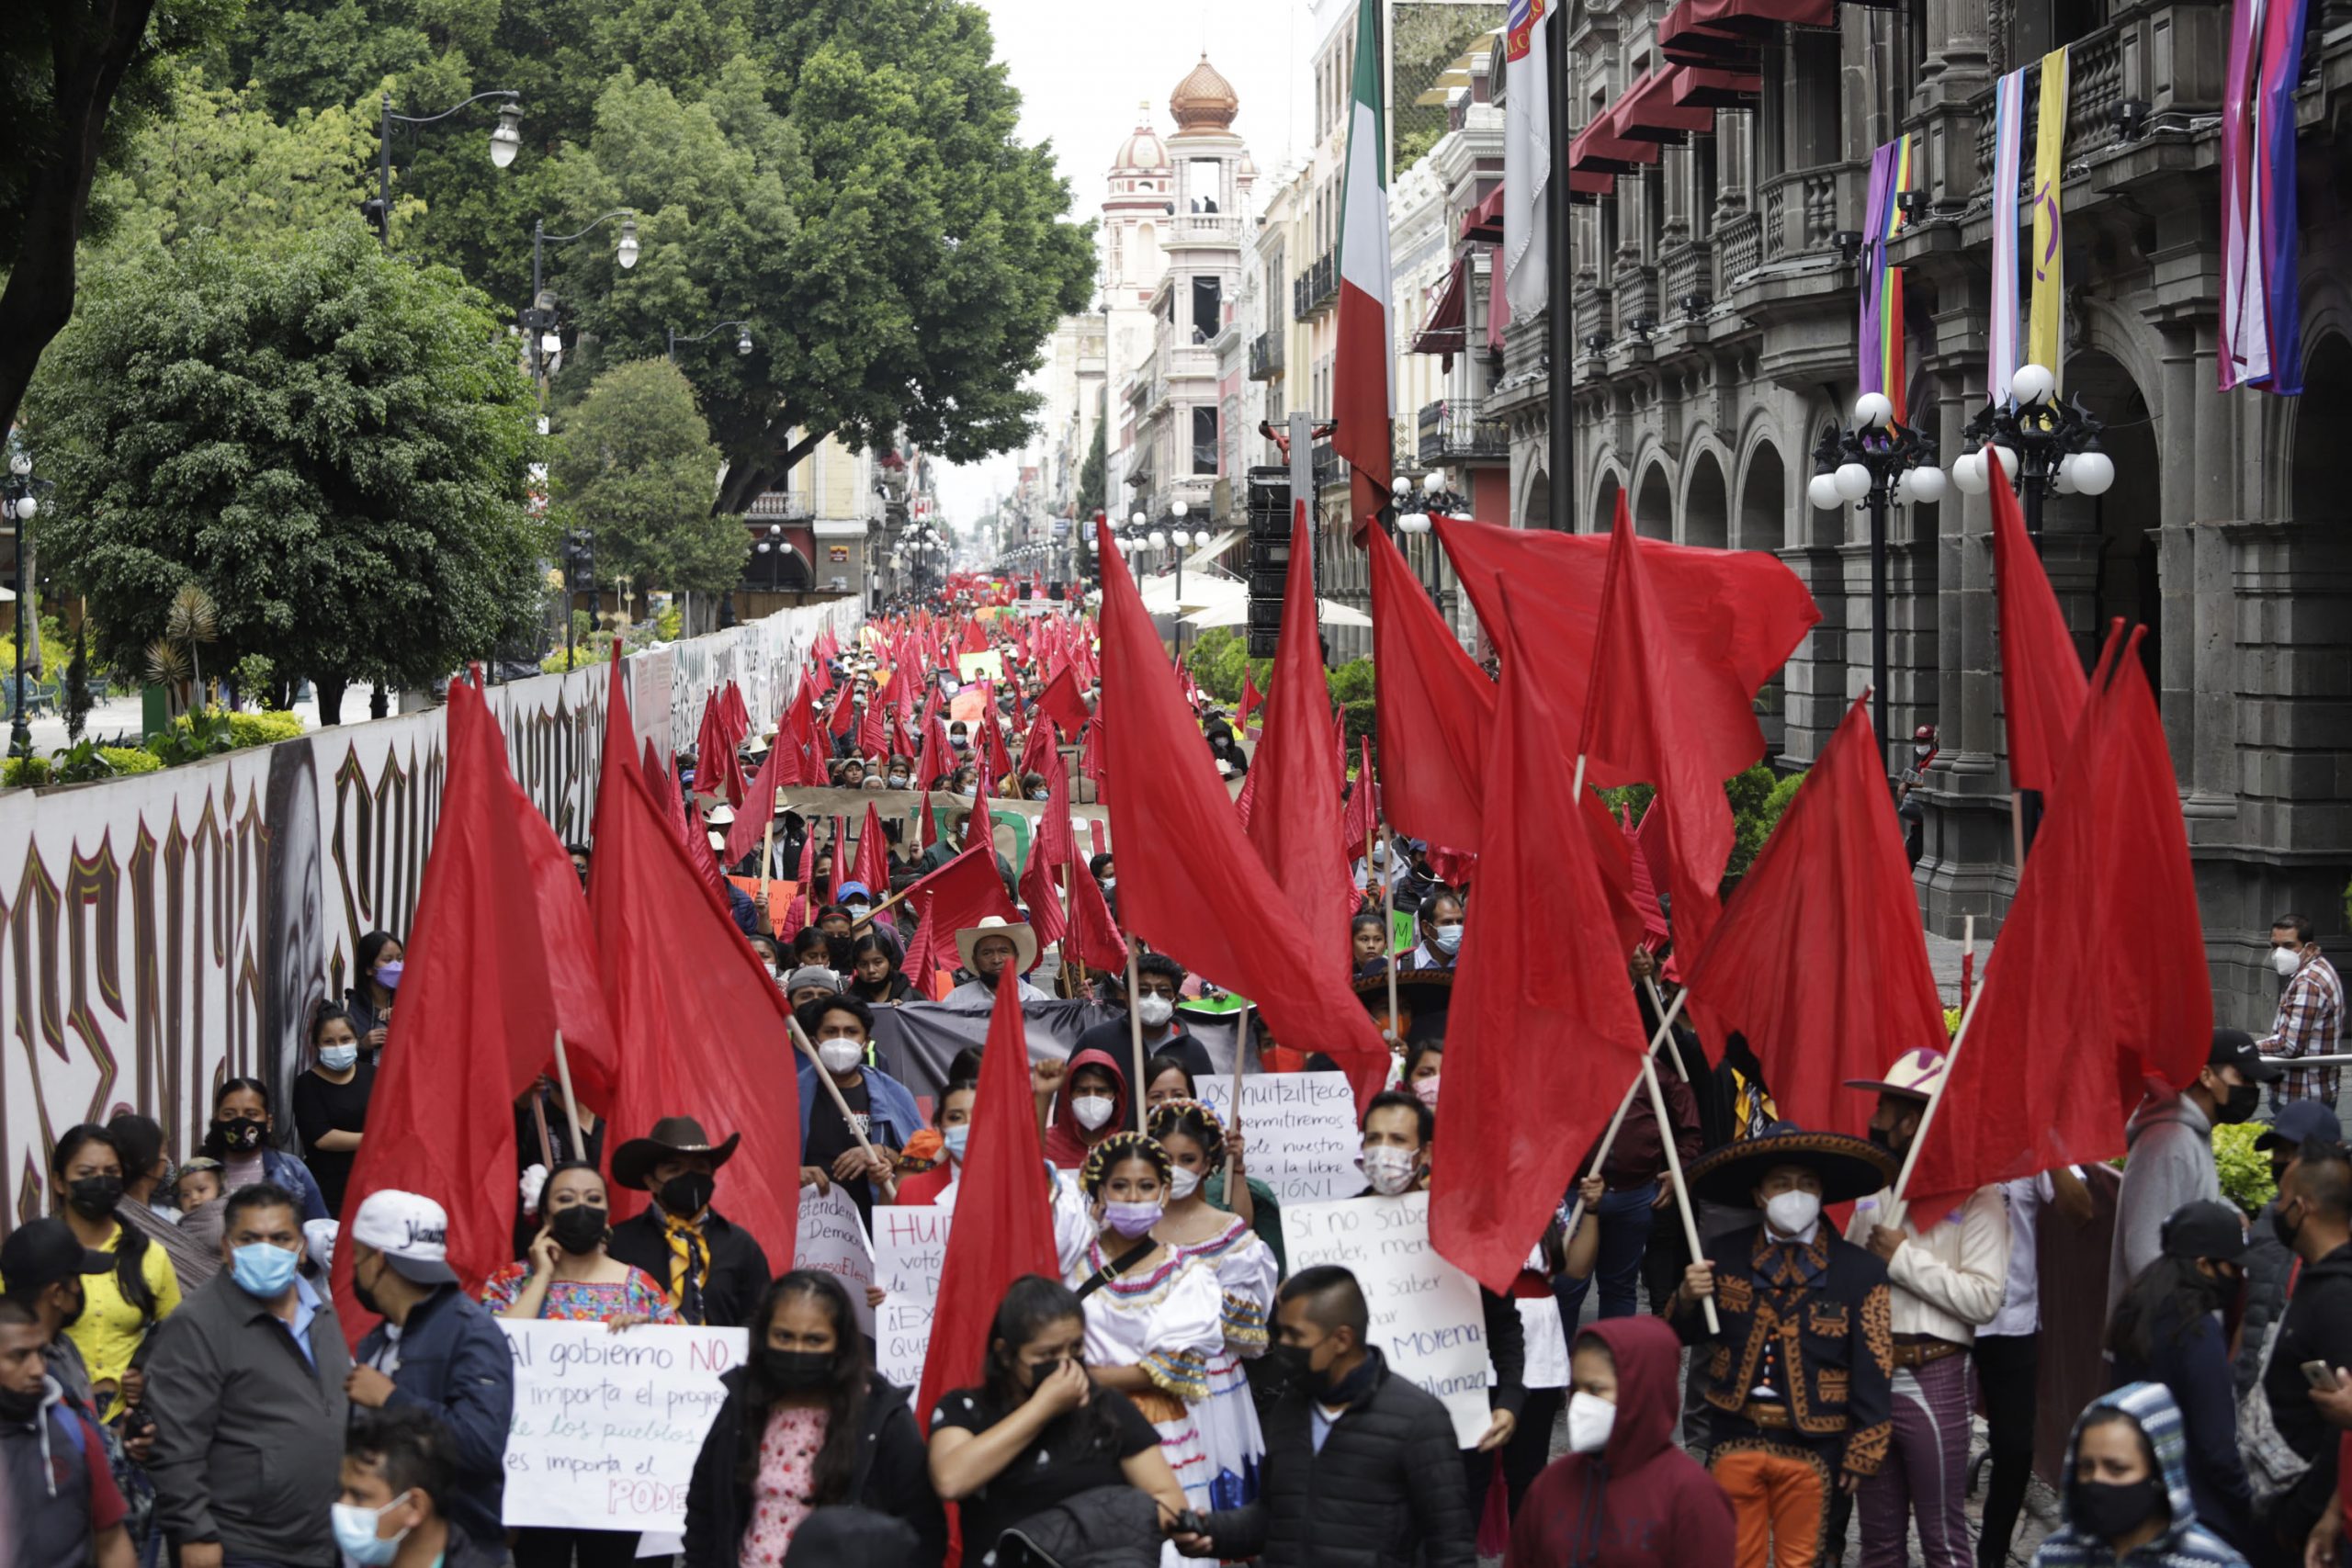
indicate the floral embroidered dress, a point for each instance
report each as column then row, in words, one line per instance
column 780, row 1491
column 1171, row 1322
column 582, row 1300
column 1226, row 1418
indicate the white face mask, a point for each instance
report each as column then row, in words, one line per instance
column 1447, row 938
column 1092, row 1110
column 1590, row 1420
column 1789, row 1212
column 1183, row 1184
column 1154, row 1010
column 2287, row 960
column 1390, row 1170
column 840, row 1056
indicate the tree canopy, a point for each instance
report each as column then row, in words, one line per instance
column 333, row 442
column 635, row 465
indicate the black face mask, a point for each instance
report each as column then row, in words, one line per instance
column 81, row 1305
column 21, row 1407
column 686, row 1195
column 2107, row 1509
column 578, row 1230
column 796, row 1372
column 95, row 1197
column 362, row 1294
column 238, row 1135
column 2282, row 1230
column 1884, row 1138
column 2244, row 1098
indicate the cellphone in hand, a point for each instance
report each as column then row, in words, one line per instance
column 2321, row 1376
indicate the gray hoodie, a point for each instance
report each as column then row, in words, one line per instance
column 2171, row 1163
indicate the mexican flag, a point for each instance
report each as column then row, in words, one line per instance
column 1364, row 381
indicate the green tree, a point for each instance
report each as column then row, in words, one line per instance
column 634, row 462
column 81, row 75
column 331, row 442
column 1090, row 476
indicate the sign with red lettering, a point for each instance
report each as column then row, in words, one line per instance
column 607, row 1426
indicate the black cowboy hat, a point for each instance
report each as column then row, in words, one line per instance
column 1850, row 1168
column 634, row 1160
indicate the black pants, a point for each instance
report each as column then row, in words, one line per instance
column 2007, row 1366
column 562, row 1549
column 1524, row 1458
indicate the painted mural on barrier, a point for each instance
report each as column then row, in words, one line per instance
column 161, row 933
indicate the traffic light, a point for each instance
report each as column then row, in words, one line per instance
column 579, row 560
column 373, row 211
column 1269, row 561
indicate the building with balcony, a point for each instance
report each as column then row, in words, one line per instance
column 1715, row 301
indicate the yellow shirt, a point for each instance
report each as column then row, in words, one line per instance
column 110, row 1328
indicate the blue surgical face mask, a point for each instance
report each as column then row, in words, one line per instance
column 263, row 1270
column 354, row 1533
column 338, row 1059
column 955, row 1138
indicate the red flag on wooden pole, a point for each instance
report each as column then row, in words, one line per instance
column 2042, row 685
column 1435, row 707
column 1295, row 775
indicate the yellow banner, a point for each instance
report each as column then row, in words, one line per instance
column 2043, row 344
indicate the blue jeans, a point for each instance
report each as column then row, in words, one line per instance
column 1624, row 1236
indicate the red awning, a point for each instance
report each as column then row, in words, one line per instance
column 1705, row 29
column 1701, row 87
column 1442, row 333
column 1647, row 111
column 1600, row 147
column 1584, row 189
column 1484, row 222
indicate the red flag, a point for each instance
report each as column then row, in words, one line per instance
column 1362, row 815
column 979, row 828
column 2043, row 686
column 1297, row 771
column 1820, row 960
column 795, row 913
column 1038, row 747
column 476, row 1019
column 1193, row 885
column 999, row 760
column 930, row 833
column 844, row 714
column 1634, row 718
column 1053, row 823
column 1004, row 1218
column 964, row 890
column 718, row 773
column 1647, row 865
column 1435, row 707
column 2056, row 1056
column 874, row 856
column 749, row 827
column 1064, row 704
column 1038, row 893
column 1729, row 618
column 1250, row 699
column 872, row 736
column 695, row 837
column 1544, row 1036
column 803, row 748
column 706, row 1039
column 1093, row 935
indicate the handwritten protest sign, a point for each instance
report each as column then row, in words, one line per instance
column 832, row 1241
column 1425, row 1312
column 1301, row 1132
column 607, row 1426
column 909, row 1245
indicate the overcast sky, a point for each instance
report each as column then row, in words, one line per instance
column 1081, row 69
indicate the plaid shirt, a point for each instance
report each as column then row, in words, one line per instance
column 2310, row 1023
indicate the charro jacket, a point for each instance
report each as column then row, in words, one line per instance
column 1815, row 1323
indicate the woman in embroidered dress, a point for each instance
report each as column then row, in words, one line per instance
column 569, row 1275
column 1154, row 1317
column 1246, row 1276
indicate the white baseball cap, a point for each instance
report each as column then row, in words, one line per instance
column 411, row 1231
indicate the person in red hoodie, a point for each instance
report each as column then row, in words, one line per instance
column 1090, row 1105
column 1624, row 1496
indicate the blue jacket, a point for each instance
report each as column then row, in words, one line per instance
column 454, row 1363
column 2184, row 1542
column 289, row 1172
column 2191, row 1361
column 892, row 1118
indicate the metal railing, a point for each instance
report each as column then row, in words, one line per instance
column 1314, row 288
column 1265, row 356
column 1450, row 430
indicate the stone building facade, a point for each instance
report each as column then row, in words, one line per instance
column 1714, row 313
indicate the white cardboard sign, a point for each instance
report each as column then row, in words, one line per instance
column 909, row 1248
column 832, row 1241
column 1301, row 1133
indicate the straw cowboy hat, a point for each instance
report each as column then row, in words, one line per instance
column 1024, row 941
column 634, row 1161
column 1850, row 1168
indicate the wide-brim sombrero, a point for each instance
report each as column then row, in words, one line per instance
column 1850, row 1168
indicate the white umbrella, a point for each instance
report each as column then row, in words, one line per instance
column 1237, row 611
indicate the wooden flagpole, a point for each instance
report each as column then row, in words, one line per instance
column 1134, row 1038
column 1388, row 935
column 571, row 1104
column 1899, row 1207
column 1658, row 1005
column 1673, row 1172
column 1609, row 1139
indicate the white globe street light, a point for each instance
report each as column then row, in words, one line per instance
column 2032, row 385
column 1853, row 481
column 1968, row 473
column 1822, row 490
column 1928, row 483
column 1873, row 411
column 2093, row 472
column 506, row 140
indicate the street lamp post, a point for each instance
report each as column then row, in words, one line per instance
column 1877, row 462
column 20, row 499
column 2045, row 448
column 505, row 140
column 743, row 341
column 539, row 320
column 1435, row 500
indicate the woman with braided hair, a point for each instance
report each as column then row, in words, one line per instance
column 1154, row 1317
column 1246, row 1276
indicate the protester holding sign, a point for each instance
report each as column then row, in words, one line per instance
column 1246, row 1274
column 852, row 1149
column 807, row 1423
column 1229, row 1187
column 1042, row 1447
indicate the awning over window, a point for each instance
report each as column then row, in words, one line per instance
column 1584, row 189
column 1647, row 112
column 1711, row 29
column 1701, row 87
column 1484, row 222
column 1442, row 333
column 1601, row 148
